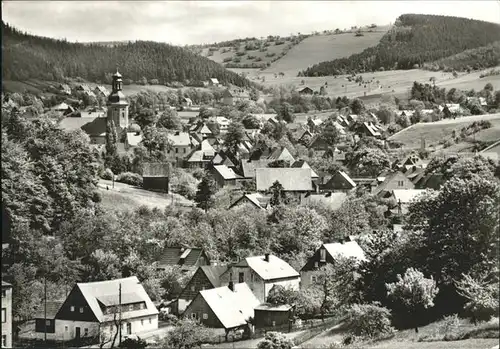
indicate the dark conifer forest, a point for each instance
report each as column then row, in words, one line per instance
column 26, row 56
column 414, row 40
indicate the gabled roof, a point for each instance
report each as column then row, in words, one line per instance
column 92, row 291
column 275, row 269
column 62, row 106
column 94, row 126
column 257, row 199
column 213, row 273
column 372, row 129
column 249, row 167
column 214, row 80
column 272, row 307
column 226, row 172
column 316, row 122
column 232, row 308
column 303, row 164
column 347, row 178
column 227, row 93
column 155, row 169
column 180, row 256
column 347, row 250
column 52, row 310
column 387, row 180
column 281, row 153
column 292, row 179
column 405, row 196
column 179, row 139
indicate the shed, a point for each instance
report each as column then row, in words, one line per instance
column 267, row 316
column 155, row 176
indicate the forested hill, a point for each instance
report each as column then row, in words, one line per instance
column 414, row 40
column 26, row 56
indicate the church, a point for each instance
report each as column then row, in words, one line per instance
column 118, row 107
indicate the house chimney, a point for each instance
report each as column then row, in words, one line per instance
column 231, row 286
column 266, row 257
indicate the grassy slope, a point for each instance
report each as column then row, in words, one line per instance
column 126, row 197
column 319, row 48
column 435, row 131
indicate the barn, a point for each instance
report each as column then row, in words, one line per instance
column 155, row 176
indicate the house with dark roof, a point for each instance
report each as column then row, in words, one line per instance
column 225, row 158
column 281, row 153
column 314, row 124
column 101, row 91
column 227, row 97
column 201, row 156
column 46, row 321
column 205, row 277
column 185, row 257
column 155, row 176
column 306, row 91
column 340, row 181
column 230, row 307
column 296, row 180
column 328, row 254
column 90, row 310
column 268, row 316
column 256, row 200
column 395, row 180
column 261, row 273
column 94, row 126
column 225, row 176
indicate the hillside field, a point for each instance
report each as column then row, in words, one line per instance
column 319, row 48
column 433, row 132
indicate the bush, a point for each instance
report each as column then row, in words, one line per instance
column 107, row 174
column 130, row 178
column 171, row 319
column 369, row 320
column 133, row 343
column 275, row 340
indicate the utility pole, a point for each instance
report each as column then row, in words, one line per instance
column 45, row 308
column 120, row 309
column 113, row 180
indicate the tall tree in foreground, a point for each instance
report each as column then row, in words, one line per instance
column 278, row 194
column 234, row 136
column 414, row 291
column 205, row 195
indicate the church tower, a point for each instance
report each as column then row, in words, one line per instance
column 118, row 105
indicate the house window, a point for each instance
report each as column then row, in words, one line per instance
column 130, row 307
column 72, row 308
column 85, row 332
column 251, row 277
column 400, row 183
column 4, row 315
column 142, row 322
column 322, row 255
column 47, row 322
column 150, row 321
column 176, row 150
column 205, row 316
column 193, row 316
column 230, row 276
column 241, row 277
column 4, row 293
column 192, row 288
column 143, row 306
column 313, row 278
column 65, row 328
column 81, row 310
column 4, row 340
column 184, row 150
column 274, row 323
column 316, row 264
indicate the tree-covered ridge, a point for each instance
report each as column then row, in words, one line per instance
column 414, row 40
column 26, row 56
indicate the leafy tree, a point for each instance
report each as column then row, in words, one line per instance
column 205, row 113
column 368, row 161
column 329, row 133
column 156, row 141
column 206, row 189
column 350, row 219
column 278, row 194
column 234, row 136
column 251, row 122
column 463, row 216
column 414, row 291
column 173, row 280
column 170, row 120
column 254, row 94
column 357, row 106
column 187, row 334
column 403, row 121
column 279, row 164
column 369, row 320
column 285, row 112
column 279, row 294
column 481, row 294
column 385, row 115
column 275, row 340
column 146, row 117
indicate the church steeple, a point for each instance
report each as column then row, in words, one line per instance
column 117, row 81
column 117, row 103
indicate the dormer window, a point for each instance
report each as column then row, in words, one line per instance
column 322, row 255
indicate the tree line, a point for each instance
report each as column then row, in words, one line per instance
column 415, row 40
column 26, row 56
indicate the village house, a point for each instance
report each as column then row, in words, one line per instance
column 186, row 102
column 225, row 158
column 225, row 176
column 303, row 164
column 180, row 143
column 213, row 82
column 223, row 123
column 201, row 128
column 64, row 89
column 185, row 257
column 317, row 143
column 205, row 277
column 230, row 307
column 331, row 200
column 293, row 180
column 101, row 91
column 155, row 176
column 314, row 124
column 327, row 254
column 370, row 129
column 6, row 315
column 339, row 182
column 201, row 156
column 261, row 273
column 45, row 322
column 256, row 200
column 90, row 309
column 227, row 97
column 93, row 126
column 281, row 153
column 134, row 137
column 395, row 180
column 306, row 91
column 249, row 167
column 404, row 197
column 64, row 109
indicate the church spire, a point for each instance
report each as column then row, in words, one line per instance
column 117, row 81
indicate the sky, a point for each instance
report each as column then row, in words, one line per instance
column 199, row 22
